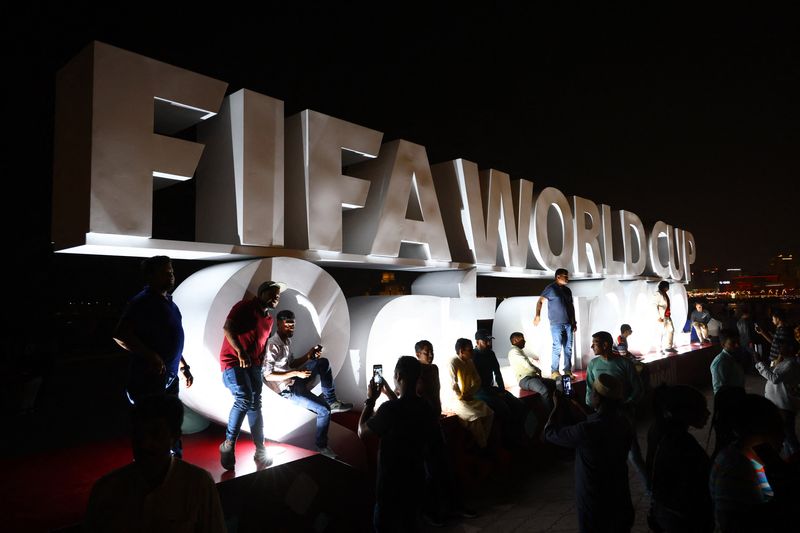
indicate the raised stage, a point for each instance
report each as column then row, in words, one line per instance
column 49, row 491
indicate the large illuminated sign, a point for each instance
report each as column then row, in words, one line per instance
column 310, row 186
column 310, row 190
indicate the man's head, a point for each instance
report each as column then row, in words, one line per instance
column 778, row 316
column 285, row 320
column 406, row 374
column 269, row 294
column 562, row 276
column 606, row 391
column 797, row 333
column 699, row 307
column 424, row 351
column 483, row 339
column 663, row 286
column 682, row 404
column 602, row 343
column 517, row 339
column 155, row 426
column 464, row 349
column 625, row 330
column 729, row 338
column 158, row 273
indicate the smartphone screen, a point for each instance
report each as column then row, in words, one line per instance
column 566, row 383
column 377, row 373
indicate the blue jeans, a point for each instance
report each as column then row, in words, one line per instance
column 245, row 385
column 319, row 368
column 315, row 404
column 562, row 338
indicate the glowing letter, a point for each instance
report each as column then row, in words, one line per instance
column 316, row 190
column 401, row 185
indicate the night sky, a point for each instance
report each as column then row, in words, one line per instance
column 677, row 116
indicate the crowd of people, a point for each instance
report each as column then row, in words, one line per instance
column 746, row 484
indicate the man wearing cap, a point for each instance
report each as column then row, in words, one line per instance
column 508, row 409
column 247, row 330
column 561, row 313
column 291, row 377
column 601, row 444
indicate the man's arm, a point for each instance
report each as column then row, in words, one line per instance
column 230, row 333
column 270, row 374
column 557, row 430
column 373, row 391
column 186, row 373
column 538, row 317
column 313, row 353
column 128, row 341
column 498, row 376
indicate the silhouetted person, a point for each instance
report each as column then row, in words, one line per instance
column 151, row 330
column 247, row 330
column 622, row 368
column 782, row 333
column 292, row 378
column 752, row 488
column 157, row 492
column 428, row 386
column 783, row 378
column 443, row 495
column 409, row 435
column 601, row 443
column 508, row 409
column 677, row 465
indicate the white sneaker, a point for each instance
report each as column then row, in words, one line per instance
column 327, row 452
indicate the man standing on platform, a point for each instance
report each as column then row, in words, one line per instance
column 561, row 312
column 665, row 317
column 151, row 330
column 292, row 376
column 528, row 375
column 247, row 330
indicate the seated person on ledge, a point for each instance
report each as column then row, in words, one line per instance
column 700, row 319
column 473, row 413
column 529, row 376
column 291, row 377
column 428, row 386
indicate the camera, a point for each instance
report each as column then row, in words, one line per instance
column 566, row 385
column 377, row 374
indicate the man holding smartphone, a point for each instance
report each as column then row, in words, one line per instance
column 291, row 377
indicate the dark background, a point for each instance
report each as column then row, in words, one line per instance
column 675, row 114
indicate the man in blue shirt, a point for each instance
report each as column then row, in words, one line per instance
column 151, row 331
column 561, row 313
column 700, row 319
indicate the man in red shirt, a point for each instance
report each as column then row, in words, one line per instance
column 247, row 329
